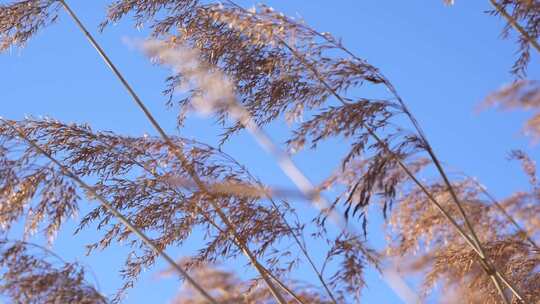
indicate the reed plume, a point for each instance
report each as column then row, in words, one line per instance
column 258, row 67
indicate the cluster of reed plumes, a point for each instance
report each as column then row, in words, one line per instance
column 248, row 68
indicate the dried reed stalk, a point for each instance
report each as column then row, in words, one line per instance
column 473, row 240
column 266, row 40
column 103, row 201
column 231, row 227
column 515, row 24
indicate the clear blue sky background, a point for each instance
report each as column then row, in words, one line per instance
column 443, row 61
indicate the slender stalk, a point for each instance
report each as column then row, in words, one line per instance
column 459, row 205
column 473, row 242
column 298, row 242
column 508, row 217
column 304, row 251
column 105, row 203
column 474, row 239
column 285, row 288
column 183, row 160
column 294, row 173
column 516, row 25
column 429, row 149
column 432, row 155
column 208, row 218
column 394, row 92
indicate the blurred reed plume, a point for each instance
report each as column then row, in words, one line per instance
column 521, row 94
column 215, row 90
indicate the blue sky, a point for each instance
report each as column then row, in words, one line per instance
column 443, row 61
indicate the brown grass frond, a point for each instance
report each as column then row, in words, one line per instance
column 420, row 238
column 302, row 48
column 145, row 199
column 21, row 20
column 32, row 274
column 276, row 68
column 524, row 17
